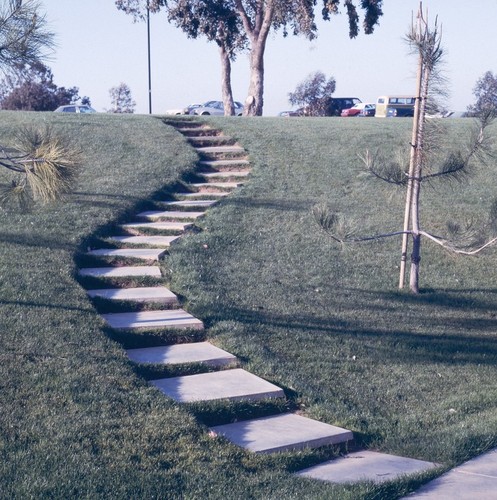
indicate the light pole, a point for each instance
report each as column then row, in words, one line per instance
column 149, row 65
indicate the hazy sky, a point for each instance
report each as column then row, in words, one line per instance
column 98, row 47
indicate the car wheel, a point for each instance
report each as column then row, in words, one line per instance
column 205, row 113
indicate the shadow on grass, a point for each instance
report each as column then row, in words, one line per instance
column 282, row 204
column 456, row 340
column 43, row 306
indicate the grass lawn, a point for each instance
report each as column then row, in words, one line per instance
column 410, row 375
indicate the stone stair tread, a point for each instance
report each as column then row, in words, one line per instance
column 190, row 203
column 227, row 174
column 139, row 294
column 136, row 253
column 211, row 194
column 162, row 214
column 366, row 465
column 160, row 241
column 223, row 163
column 119, row 272
column 197, row 352
column 168, row 318
column 235, row 385
column 165, row 225
column 220, row 149
column 225, row 185
column 283, row 432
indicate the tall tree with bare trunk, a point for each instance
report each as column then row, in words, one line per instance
column 252, row 20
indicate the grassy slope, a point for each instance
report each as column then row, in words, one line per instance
column 326, row 324
column 413, row 375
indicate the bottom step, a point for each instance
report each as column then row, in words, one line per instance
column 282, row 432
column 366, row 466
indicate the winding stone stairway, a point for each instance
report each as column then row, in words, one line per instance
column 223, row 167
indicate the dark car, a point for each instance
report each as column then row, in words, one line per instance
column 337, row 104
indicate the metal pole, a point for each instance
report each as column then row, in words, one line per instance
column 149, row 61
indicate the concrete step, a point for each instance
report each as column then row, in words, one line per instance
column 174, row 318
column 366, row 466
column 200, row 132
column 224, row 174
column 210, row 140
column 203, row 194
column 235, row 385
column 158, row 226
column 197, row 352
column 220, row 164
column 189, row 203
column 135, row 253
column 120, row 272
column 171, row 215
column 283, row 432
column 158, row 241
column 216, row 185
column 155, row 294
column 220, row 150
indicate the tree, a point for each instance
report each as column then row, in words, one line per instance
column 314, row 93
column 258, row 18
column 427, row 163
column 485, row 92
column 32, row 89
column 213, row 19
column 121, row 99
column 41, row 166
column 24, row 37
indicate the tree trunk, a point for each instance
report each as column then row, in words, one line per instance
column 255, row 99
column 412, row 163
column 415, row 180
column 227, row 92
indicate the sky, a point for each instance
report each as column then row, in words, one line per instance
column 98, row 47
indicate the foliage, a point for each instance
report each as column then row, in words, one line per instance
column 485, row 92
column 314, row 93
column 121, row 99
column 32, row 88
column 252, row 21
column 42, row 166
column 24, row 37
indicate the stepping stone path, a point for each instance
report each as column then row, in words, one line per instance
column 224, row 166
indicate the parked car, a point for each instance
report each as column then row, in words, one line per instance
column 357, row 109
column 296, row 112
column 369, row 110
column 217, row 108
column 75, row 108
column 337, row 104
column 189, row 110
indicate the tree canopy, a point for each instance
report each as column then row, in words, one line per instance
column 314, row 93
column 32, row 89
column 24, row 37
column 485, row 92
column 255, row 19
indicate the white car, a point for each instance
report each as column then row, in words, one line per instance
column 217, row 108
column 75, row 108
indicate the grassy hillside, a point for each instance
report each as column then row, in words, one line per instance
column 409, row 375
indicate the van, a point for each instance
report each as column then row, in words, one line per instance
column 398, row 105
